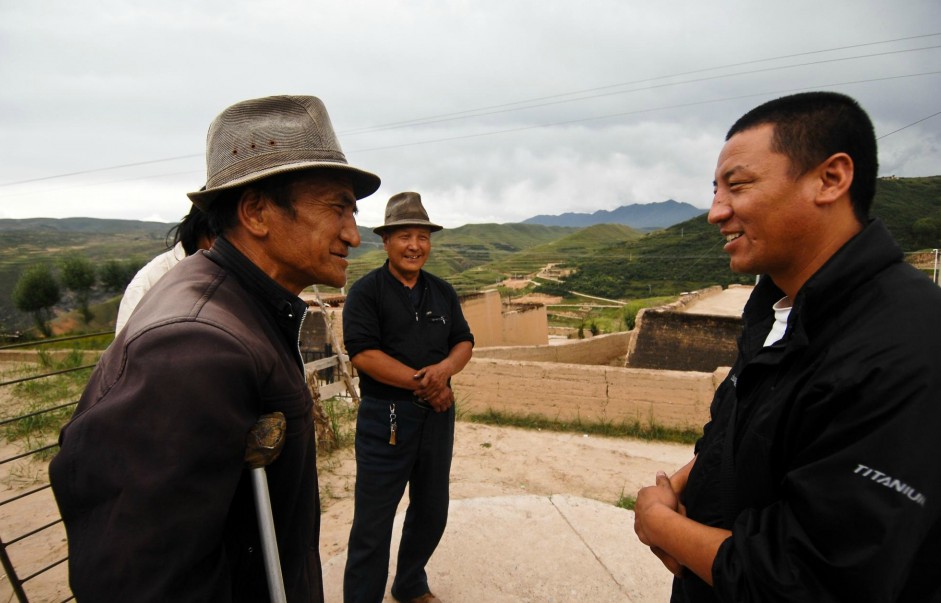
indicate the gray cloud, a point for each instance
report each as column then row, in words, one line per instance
column 624, row 102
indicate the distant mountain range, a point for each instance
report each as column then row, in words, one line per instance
column 648, row 216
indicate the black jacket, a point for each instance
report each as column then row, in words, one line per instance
column 150, row 478
column 823, row 455
column 378, row 314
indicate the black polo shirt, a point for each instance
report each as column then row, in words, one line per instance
column 379, row 314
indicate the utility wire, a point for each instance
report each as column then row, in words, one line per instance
column 909, row 125
column 638, row 111
column 501, row 108
column 495, row 132
column 104, row 169
column 634, row 82
column 67, row 187
column 475, row 112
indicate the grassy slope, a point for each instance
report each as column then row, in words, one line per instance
column 689, row 255
column 611, row 260
column 25, row 242
column 462, row 254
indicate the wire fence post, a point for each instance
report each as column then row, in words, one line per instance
column 937, row 280
column 15, row 582
column 36, row 563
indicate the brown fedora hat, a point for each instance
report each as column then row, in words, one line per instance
column 405, row 209
column 262, row 137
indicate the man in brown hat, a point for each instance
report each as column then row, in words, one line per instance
column 406, row 335
column 150, row 477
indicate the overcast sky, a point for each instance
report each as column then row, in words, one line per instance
column 493, row 110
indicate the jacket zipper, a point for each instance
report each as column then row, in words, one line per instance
column 300, row 328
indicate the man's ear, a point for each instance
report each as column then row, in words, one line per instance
column 253, row 212
column 835, row 177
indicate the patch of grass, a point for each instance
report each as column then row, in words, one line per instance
column 35, row 401
column 37, row 424
column 636, row 429
column 341, row 421
column 626, row 501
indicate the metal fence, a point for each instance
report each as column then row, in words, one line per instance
column 33, row 548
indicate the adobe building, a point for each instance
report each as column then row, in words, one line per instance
column 496, row 324
column 663, row 372
column 491, row 322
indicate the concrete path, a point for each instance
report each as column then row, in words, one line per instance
column 515, row 549
column 728, row 302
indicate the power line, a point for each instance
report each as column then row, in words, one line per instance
column 476, row 112
column 103, row 169
column 909, row 125
column 638, row 111
column 630, row 83
column 481, row 134
column 67, row 187
column 498, row 108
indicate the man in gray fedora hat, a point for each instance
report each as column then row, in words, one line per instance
column 406, row 335
column 150, row 478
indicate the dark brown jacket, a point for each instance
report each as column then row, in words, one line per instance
column 150, row 478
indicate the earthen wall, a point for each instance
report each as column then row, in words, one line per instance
column 684, row 342
column 589, row 393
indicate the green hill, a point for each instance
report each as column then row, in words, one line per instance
column 911, row 208
column 79, row 226
column 577, row 246
column 461, row 254
column 689, row 255
column 37, row 240
column 609, row 260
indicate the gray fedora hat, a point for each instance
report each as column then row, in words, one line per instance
column 262, row 137
column 405, row 209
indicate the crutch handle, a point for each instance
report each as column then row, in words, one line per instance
column 264, row 444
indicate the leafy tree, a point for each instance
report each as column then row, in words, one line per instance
column 927, row 231
column 115, row 276
column 35, row 293
column 78, row 275
column 553, row 288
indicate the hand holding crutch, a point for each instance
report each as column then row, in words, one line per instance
column 264, row 444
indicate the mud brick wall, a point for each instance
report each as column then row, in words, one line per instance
column 684, row 342
column 525, row 326
column 587, row 393
column 599, row 350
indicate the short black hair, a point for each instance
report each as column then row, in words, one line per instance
column 811, row 126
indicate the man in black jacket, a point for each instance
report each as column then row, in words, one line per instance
column 150, row 477
column 818, row 477
column 406, row 335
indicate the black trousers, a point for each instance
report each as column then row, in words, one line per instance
column 420, row 458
